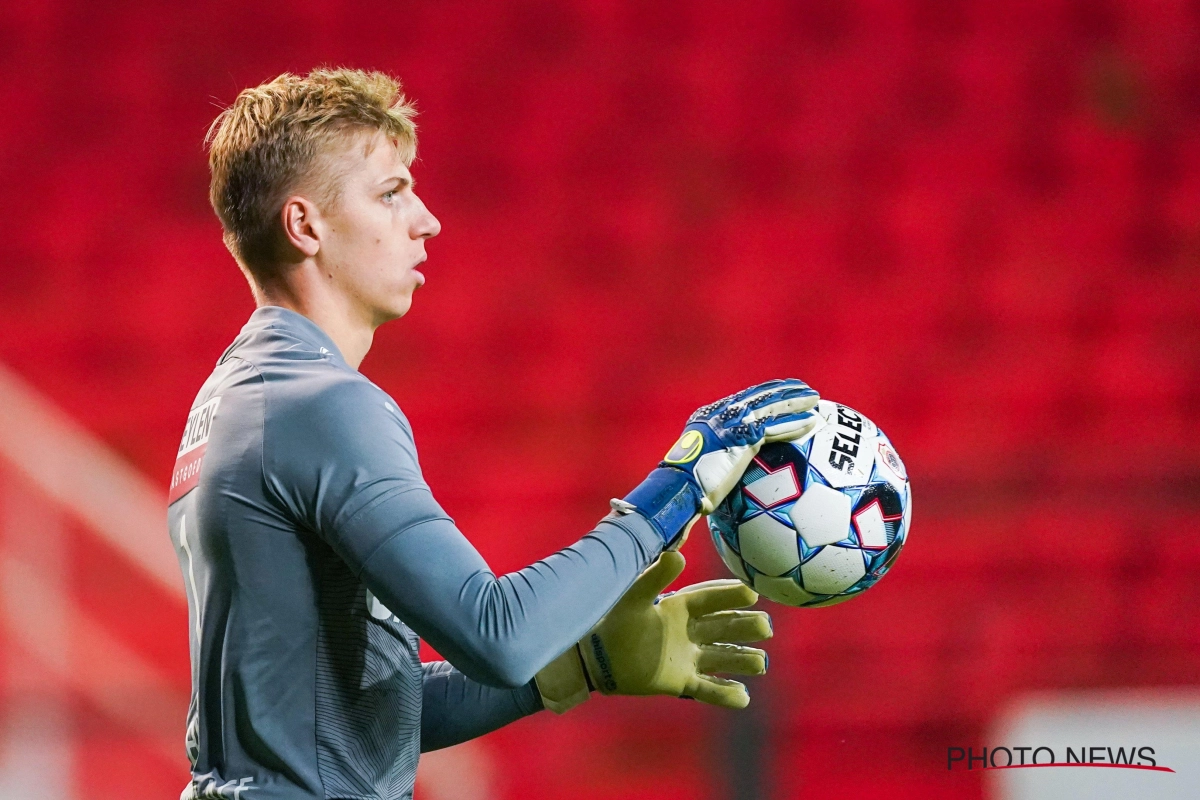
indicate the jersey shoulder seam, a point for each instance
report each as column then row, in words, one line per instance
column 284, row 333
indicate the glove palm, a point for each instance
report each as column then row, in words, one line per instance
column 669, row 645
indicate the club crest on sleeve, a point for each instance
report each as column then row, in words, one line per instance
column 686, row 449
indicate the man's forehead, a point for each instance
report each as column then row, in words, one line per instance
column 370, row 152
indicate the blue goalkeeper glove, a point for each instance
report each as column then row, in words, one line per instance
column 716, row 447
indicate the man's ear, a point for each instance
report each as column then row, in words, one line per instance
column 301, row 230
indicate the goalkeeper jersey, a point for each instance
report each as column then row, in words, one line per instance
column 314, row 556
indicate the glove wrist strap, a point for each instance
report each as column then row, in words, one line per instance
column 563, row 683
column 587, row 676
column 669, row 499
column 597, row 663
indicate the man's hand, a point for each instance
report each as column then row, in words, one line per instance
column 717, row 445
column 670, row 644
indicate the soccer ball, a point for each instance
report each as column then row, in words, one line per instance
column 817, row 522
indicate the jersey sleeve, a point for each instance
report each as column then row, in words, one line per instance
column 345, row 465
column 455, row 708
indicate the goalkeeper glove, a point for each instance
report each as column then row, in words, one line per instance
column 665, row 644
column 717, row 445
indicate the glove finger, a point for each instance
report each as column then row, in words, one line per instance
column 791, row 428
column 759, row 389
column 798, row 387
column 725, row 595
column 769, row 391
column 739, row 397
column 717, row 692
column 712, row 584
column 731, row 659
column 754, row 396
column 657, row 576
column 796, row 404
column 731, row 626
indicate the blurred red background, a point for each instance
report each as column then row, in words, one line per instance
column 979, row 224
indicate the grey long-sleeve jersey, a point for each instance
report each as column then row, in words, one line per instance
column 314, row 555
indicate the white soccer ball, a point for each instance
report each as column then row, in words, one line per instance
column 819, row 521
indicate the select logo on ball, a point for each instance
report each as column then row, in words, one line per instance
column 844, row 449
column 686, row 449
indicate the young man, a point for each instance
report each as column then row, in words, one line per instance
column 313, row 552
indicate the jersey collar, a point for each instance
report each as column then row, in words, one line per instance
column 284, row 319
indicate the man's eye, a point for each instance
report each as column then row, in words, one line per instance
column 387, row 196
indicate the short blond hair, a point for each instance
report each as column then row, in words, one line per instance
column 263, row 146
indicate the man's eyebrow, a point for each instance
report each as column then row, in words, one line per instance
column 400, row 181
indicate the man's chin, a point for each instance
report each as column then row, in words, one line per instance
column 394, row 310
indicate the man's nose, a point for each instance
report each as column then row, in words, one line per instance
column 426, row 225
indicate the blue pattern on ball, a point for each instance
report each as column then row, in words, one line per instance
column 884, row 485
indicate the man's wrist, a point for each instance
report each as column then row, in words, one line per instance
column 669, row 499
column 563, row 683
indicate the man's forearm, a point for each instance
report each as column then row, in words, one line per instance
column 501, row 631
column 456, row 709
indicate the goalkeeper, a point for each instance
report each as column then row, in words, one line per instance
column 314, row 554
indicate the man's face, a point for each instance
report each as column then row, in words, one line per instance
column 374, row 233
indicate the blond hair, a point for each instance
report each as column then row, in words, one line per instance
column 269, row 141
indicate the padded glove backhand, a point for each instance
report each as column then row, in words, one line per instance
column 721, row 438
column 670, row 645
column 717, row 445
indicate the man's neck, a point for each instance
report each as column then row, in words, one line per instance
column 330, row 310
